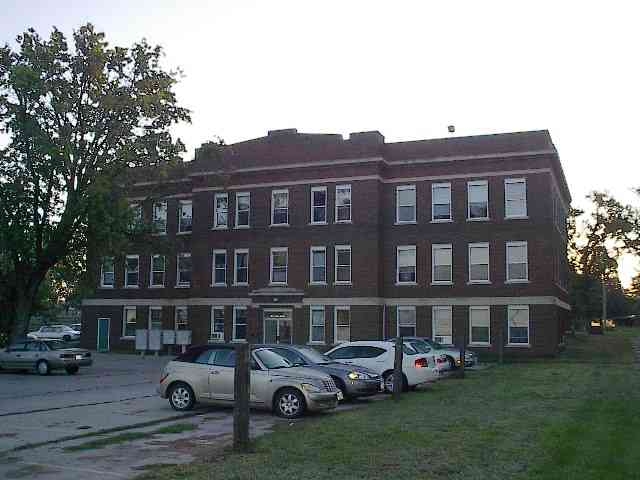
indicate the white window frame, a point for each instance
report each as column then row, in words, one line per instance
column 149, row 320
column 335, row 322
column 181, row 204
column 237, row 308
column 311, row 280
column 508, row 181
column 401, row 188
column 175, row 317
column 441, row 246
column 526, row 263
column 235, row 266
column 126, row 271
column 477, row 183
column 434, row 186
column 406, row 308
column 152, row 271
column 434, row 309
column 317, row 308
column 346, row 187
column 180, row 284
column 335, row 265
column 286, row 267
column 126, row 309
column 479, row 245
column 213, row 267
column 477, row 308
column 248, row 210
column 415, row 263
column 510, row 308
column 155, row 219
column 273, row 194
column 216, row 225
column 324, row 207
column 212, row 324
column 113, row 266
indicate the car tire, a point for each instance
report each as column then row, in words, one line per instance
column 66, row 338
column 72, row 369
column 289, row 403
column 42, row 367
column 181, row 397
column 388, row 382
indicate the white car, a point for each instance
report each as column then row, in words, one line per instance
column 55, row 332
column 379, row 356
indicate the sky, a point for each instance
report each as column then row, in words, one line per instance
column 408, row 69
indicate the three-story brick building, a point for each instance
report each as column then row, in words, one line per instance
column 316, row 239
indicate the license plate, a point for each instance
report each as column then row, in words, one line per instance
column 340, row 396
column 78, row 357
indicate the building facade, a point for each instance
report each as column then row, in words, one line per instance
column 316, row 239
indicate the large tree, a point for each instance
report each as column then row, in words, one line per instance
column 74, row 120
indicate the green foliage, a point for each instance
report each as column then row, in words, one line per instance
column 77, row 119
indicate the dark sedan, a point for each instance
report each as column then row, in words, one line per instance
column 352, row 380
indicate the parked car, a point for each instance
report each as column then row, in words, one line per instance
column 43, row 356
column 596, row 327
column 206, row 374
column 452, row 354
column 352, row 381
column 420, row 346
column 55, row 332
column 379, row 356
column 76, row 326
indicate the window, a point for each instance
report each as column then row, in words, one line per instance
column 219, row 268
column 184, row 270
column 137, row 220
column 131, row 271
column 280, row 207
column 239, row 323
column 107, row 273
column 343, row 203
column 319, row 205
column 478, row 200
column 442, row 325
column 182, row 318
column 406, row 204
column 343, row 264
column 157, row 270
column 342, row 329
column 518, row 316
column 279, row 265
column 441, row 269
column 155, row 318
column 316, row 324
column 441, row 202
column 220, row 210
column 243, row 209
column 406, row 324
column 517, row 262
column 129, row 322
column 406, row 264
column 478, row 263
column 515, row 198
column 185, row 216
column 241, row 271
column 318, row 267
column 217, row 323
column 160, row 217
column 479, row 326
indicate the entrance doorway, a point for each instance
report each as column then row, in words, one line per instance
column 103, row 334
column 278, row 326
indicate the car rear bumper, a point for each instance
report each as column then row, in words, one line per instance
column 69, row 362
column 321, row 401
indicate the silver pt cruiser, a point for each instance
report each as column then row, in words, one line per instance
column 206, row 374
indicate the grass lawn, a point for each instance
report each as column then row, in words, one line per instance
column 576, row 417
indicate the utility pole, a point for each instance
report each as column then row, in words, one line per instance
column 398, row 382
column 242, row 387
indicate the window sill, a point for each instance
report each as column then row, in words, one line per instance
column 518, row 345
column 411, row 222
column 318, row 223
column 242, row 284
column 220, row 228
column 242, row 227
column 156, row 286
column 277, row 284
column 218, row 285
column 479, row 219
column 128, row 337
column 450, row 220
column 316, row 343
column 317, row 284
column 345, row 284
column 406, row 284
column 183, row 286
column 343, row 221
column 516, row 282
column 479, row 282
column 276, row 225
column 107, row 287
column 517, row 217
column 159, row 234
column 239, row 340
column 441, row 283
column 183, row 233
column 479, row 344
column 131, row 286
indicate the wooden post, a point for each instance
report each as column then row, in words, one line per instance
column 397, row 369
column 242, row 387
column 462, row 353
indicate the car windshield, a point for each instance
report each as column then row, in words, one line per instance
column 56, row 344
column 272, row 360
column 315, row 356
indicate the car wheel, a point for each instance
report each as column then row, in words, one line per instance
column 42, row 367
column 388, row 382
column 66, row 338
column 181, row 397
column 72, row 369
column 290, row 403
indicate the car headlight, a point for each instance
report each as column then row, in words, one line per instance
column 357, row 376
column 311, row 388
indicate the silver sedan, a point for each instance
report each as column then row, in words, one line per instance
column 43, row 356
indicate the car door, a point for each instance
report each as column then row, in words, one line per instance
column 14, row 355
column 222, row 379
column 371, row 357
column 30, row 355
column 199, row 373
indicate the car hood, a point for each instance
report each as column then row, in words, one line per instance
column 342, row 368
column 299, row 373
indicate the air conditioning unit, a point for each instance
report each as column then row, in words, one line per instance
column 216, row 337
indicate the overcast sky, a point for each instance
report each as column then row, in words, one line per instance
column 407, row 69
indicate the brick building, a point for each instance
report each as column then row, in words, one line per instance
column 311, row 238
